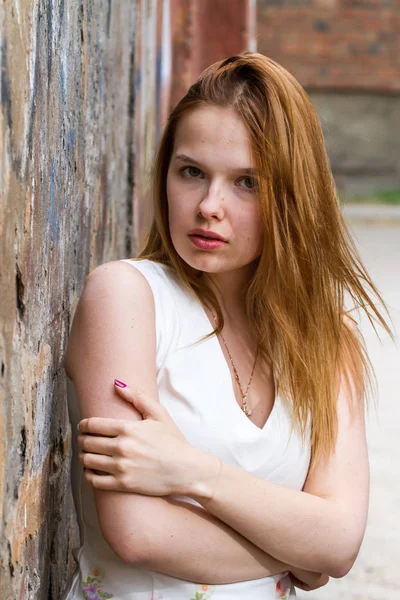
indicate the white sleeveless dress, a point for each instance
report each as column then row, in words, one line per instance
column 196, row 387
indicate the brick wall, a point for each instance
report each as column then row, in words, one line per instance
column 205, row 32
column 340, row 44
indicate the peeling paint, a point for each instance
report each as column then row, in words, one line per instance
column 5, row 84
column 65, row 126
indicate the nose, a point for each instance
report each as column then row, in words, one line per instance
column 212, row 205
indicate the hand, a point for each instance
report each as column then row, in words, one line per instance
column 308, row 580
column 150, row 457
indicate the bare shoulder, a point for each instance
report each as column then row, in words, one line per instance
column 114, row 318
column 120, row 272
column 113, row 336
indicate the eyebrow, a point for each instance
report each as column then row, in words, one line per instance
column 187, row 159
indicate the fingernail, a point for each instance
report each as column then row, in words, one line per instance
column 78, row 427
column 119, row 383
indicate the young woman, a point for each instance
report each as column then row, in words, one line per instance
column 219, row 380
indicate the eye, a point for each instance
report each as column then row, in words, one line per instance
column 191, row 172
column 250, row 184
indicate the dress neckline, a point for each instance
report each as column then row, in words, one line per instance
column 226, row 372
column 207, row 327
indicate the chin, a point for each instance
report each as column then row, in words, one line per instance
column 211, row 263
column 208, row 262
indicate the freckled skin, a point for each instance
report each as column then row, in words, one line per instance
column 213, row 195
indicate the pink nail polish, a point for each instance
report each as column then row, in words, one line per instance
column 119, row 383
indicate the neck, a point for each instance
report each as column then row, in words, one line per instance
column 230, row 288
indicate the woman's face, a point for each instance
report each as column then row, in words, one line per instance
column 211, row 185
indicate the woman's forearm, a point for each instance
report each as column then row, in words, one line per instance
column 304, row 530
column 184, row 541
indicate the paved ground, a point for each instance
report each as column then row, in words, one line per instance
column 382, row 214
column 376, row 573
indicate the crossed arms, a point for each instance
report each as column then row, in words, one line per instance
column 319, row 529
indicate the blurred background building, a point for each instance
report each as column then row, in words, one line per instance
column 346, row 54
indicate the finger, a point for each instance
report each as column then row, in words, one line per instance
column 102, row 482
column 97, row 444
column 149, row 406
column 97, row 462
column 103, row 426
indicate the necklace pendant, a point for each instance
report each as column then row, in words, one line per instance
column 246, row 410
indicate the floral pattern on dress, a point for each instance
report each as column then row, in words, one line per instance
column 203, row 592
column 91, row 589
column 284, row 586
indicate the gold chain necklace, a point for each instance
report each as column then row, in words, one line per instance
column 247, row 411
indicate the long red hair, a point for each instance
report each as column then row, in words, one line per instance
column 296, row 297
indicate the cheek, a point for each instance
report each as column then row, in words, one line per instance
column 174, row 193
column 176, row 208
column 170, row 193
column 250, row 225
column 259, row 234
column 251, row 232
column 172, row 201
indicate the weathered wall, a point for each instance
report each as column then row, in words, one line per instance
column 85, row 91
column 66, row 177
column 152, row 68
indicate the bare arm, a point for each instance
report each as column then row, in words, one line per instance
column 184, row 541
column 320, row 528
column 113, row 336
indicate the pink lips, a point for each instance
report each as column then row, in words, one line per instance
column 206, row 244
column 207, row 234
